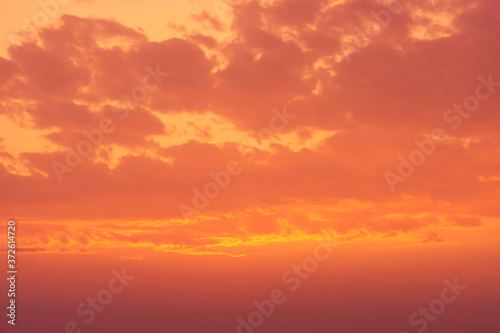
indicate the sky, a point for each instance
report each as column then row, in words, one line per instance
column 209, row 147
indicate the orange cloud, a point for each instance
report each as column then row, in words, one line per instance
column 281, row 53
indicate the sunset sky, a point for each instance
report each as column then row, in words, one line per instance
column 206, row 146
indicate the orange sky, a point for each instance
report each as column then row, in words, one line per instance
column 238, row 132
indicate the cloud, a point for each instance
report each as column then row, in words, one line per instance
column 373, row 108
